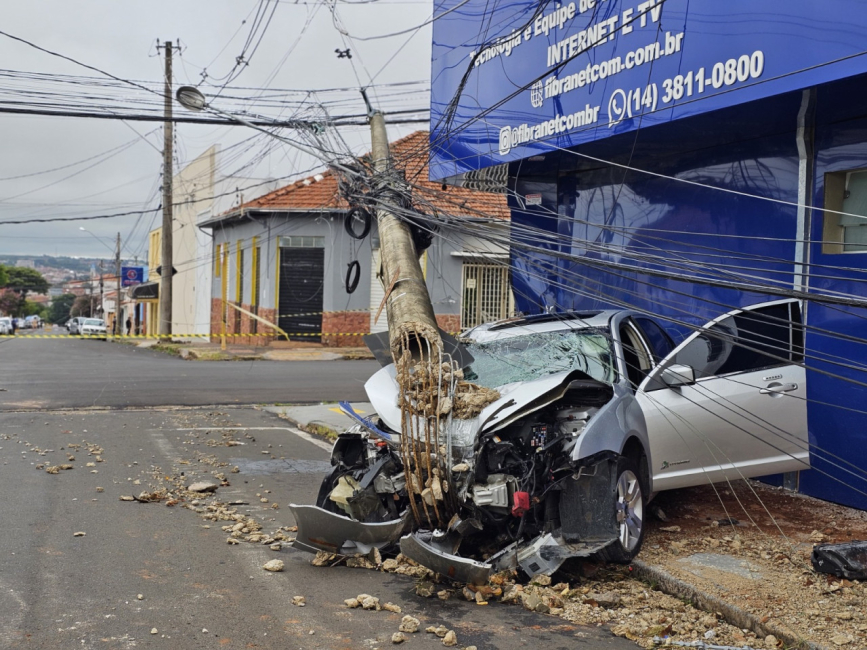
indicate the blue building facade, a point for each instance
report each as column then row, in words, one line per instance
column 682, row 158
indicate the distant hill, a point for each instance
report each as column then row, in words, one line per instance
column 80, row 266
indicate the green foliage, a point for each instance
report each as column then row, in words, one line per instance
column 31, row 308
column 23, row 279
column 60, row 308
column 4, row 277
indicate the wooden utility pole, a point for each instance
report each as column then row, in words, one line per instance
column 408, row 306
column 166, row 235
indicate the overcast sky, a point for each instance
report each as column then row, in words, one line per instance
column 120, row 37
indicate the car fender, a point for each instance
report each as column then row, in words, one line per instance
column 612, row 426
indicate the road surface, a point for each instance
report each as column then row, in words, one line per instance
column 144, row 575
column 61, row 373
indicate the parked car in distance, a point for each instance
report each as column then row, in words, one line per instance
column 32, row 322
column 74, row 325
column 93, row 327
column 5, row 325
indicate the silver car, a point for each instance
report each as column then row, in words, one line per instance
column 596, row 412
column 93, row 327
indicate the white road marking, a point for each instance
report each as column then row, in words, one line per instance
column 301, row 434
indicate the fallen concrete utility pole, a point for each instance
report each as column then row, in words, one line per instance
column 415, row 343
column 408, row 307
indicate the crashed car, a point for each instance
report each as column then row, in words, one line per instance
column 594, row 412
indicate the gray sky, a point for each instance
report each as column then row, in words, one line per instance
column 119, row 37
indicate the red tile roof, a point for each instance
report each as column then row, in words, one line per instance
column 411, row 154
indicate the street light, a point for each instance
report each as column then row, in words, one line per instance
column 192, row 99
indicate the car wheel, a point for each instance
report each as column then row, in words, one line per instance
column 629, row 508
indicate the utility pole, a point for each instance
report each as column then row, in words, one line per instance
column 117, row 311
column 101, row 292
column 412, row 315
column 166, row 266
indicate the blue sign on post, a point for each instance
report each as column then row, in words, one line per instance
column 523, row 78
column 131, row 275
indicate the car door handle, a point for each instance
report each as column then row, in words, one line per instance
column 778, row 388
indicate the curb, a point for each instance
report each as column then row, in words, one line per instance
column 734, row 615
column 320, row 430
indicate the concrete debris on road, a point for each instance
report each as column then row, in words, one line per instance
column 398, row 637
column 203, row 486
column 273, row 565
column 409, row 624
column 298, row 601
column 79, row 534
column 450, row 639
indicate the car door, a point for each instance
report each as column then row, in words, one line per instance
column 745, row 413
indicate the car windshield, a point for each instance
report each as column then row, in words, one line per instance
column 536, row 355
column 93, row 321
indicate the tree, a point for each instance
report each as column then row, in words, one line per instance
column 81, row 306
column 61, row 308
column 11, row 302
column 4, row 277
column 23, row 280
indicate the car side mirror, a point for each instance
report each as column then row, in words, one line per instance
column 678, row 375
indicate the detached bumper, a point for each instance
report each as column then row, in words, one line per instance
column 321, row 530
column 446, row 564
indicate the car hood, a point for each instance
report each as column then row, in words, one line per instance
column 516, row 400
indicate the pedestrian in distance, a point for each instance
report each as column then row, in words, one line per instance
column 128, row 325
column 14, row 325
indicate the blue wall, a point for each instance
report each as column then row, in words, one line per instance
column 653, row 222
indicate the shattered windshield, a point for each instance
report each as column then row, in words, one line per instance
column 532, row 356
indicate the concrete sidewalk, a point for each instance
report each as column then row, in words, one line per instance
column 207, row 351
column 323, row 419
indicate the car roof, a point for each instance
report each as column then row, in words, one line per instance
column 539, row 323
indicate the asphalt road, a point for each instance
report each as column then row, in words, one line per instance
column 59, row 590
column 61, row 373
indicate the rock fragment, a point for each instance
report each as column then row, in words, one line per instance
column 409, row 624
column 79, row 534
column 273, row 565
column 203, row 486
column 298, row 601
column 450, row 639
column 391, row 607
column 352, row 603
column 398, row 637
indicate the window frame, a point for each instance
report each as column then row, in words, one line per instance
column 833, row 232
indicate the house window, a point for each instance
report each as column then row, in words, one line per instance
column 300, row 241
column 845, row 192
column 485, row 292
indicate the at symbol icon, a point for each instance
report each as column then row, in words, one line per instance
column 537, row 95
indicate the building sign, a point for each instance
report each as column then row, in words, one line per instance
column 523, row 78
column 131, row 275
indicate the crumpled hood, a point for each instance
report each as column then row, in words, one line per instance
column 516, row 399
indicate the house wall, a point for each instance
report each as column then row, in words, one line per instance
column 346, row 316
column 192, row 194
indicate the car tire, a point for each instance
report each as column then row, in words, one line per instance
column 629, row 501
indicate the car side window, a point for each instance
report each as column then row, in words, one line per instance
column 751, row 340
column 635, row 354
column 660, row 342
